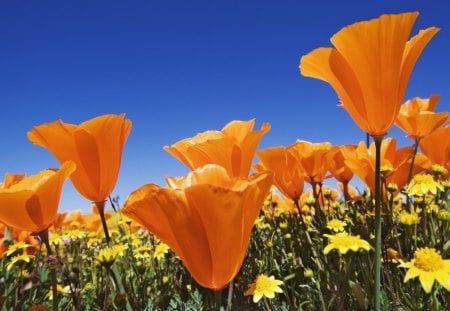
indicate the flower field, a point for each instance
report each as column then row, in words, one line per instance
column 249, row 228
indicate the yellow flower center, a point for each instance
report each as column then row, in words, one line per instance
column 336, row 225
column 428, row 259
column 264, row 284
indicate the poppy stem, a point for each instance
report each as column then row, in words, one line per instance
column 52, row 265
column 411, row 167
column 101, row 210
column 218, row 300
column 378, row 140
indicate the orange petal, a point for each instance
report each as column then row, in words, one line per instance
column 165, row 213
column 411, row 54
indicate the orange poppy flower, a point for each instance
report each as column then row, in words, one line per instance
column 369, row 67
column 11, row 179
column 95, row 146
column 337, row 165
column 312, row 157
column 288, row 174
column 207, row 219
column 233, row 147
column 395, row 164
column 32, row 203
column 417, row 119
column 436, row 146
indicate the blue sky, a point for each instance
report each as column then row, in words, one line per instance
column 177, row 68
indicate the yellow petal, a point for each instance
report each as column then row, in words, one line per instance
column 427, row 280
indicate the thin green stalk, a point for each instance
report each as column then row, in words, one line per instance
column 217, row 300
column 101, row 210
column 378, row 140
column 230, row 295
column 411, row 167
column 44, row 238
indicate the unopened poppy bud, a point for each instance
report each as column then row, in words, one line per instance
column 287, row 236
column 120, row 300
column 310, row 201
column 328, row 193
column 308, row 273
column 444, row 215
column 335, row 204
column 283, row 225
column 391, row 187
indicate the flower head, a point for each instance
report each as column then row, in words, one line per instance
column 369, row 67
column 31, row 204
column 233, row 147
column 343, row 242
column 205, row 217
column 409, row 219
column 17, row 259
column 160, row 250
column 336, row 225
column 288, row 173
column 107, row 256
column 264, row 286
column 439, row 137
column 417, row 119
column 421, row 184
column 94, row 145
column 429, row 266
column 16, row 246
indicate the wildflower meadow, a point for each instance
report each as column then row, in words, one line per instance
column 249, row 228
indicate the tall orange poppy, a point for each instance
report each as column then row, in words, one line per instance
column 369, row 67
column 337, row 165
column 32, row 203
column 233, row 147
column 417, row 118
column 312, row 158
column 288, row 174
column 395, row 163
column 339, row 169
column 95, row 146
column 436, row 146
column 206, row 219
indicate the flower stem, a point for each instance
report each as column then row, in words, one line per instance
column 377, row 263
column 101, row 210
column 44, row 238
column 411, row 167
column 218, row 300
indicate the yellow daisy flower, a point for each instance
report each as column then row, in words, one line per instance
column 343, row 242
column 336, row 225
column 16, row 246
column 142, row 252
column 429, row 266
column 23, row 257
column 437, row 169
column 409, row 219
column 421, row 184
column 160, row 250
column 264, row 286
column 107, row 256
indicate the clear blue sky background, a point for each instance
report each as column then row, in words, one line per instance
column 177, row 68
